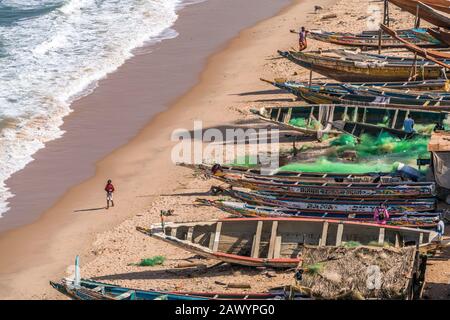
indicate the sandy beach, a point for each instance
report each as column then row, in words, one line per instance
column 216, row 83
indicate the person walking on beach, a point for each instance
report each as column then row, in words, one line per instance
column 302, row 44
column 381, row 214
column 109, row 188
column 408, row 124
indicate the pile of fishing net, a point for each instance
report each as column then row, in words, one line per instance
column 356, row 272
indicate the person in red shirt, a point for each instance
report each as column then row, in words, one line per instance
column 109, row 194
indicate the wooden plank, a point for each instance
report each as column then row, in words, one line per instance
column 340, row 231
column 277, row 251
column 397, row 240
column 381, row 236
column 273, row 236
column 189, row 234
column 257, row 240
column 323, row 239
column 394, row 120
column 217, row 236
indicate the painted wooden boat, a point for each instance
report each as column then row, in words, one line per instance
column 410, row 220
column 274, row 242
column 357, row 129
column 441, row 35
column 428, row 10
column 435, row 56
column 408, row 60
column 94, row 290
column 440, row 85
column 355, row 71
column 408, row 190
column 318, row 118
column 305, row 204
column 371, row 40
column 318, row 177
column 347, row 94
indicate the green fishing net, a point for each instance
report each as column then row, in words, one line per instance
column 303, row 123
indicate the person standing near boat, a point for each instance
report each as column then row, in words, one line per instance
column 302, row 44
column 381, row 214
column 408, row 124
column 109, row 188
column 440, row 228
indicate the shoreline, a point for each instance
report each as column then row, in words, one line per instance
column 48, row 245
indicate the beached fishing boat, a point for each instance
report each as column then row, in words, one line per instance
column 408, row 190
column 357, row 129
column 408, row 219
column 313, row 119
column 371, row 41
column 438, row 57
column 305, row 204
column 94, row 290
column 317, row 177
column 428, row 10
column 440, row 85
column 275, row 242
column 360, row 71
column 348, row 94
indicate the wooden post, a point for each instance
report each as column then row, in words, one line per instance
column 421, row 238
column 380, row 34
column 417, row 22
column 217, row 236
column 273, row 237
column 257, row 240
column 173, row 232
column 340, row 231
column 323, row 239
column 386, row 13
column 394, row 120
column 310, row 78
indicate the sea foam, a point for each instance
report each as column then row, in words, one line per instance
column 53, row 52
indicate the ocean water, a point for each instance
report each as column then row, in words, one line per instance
column 53, row 52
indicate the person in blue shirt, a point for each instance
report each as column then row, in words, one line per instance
column 408, row 124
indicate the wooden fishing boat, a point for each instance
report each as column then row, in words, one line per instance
column 440, row 85
column 274, row 242
column 408, row 190
column 407, row 219
column 441, row 35
column 371, row 41
column 305, row 204
column 311, row 119
column 273, row 180
column 318, row 177
column 406, row 60
column 435, row 56
column 94, row 290
column 428, row 10
column 347, row 94
column 357, row 129
column 359, row 71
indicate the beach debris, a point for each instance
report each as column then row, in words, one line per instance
column 151, row 262
column 317, row 8
column 167, row 213
column 329, row 16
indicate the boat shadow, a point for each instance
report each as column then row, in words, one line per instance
column 89, row 209
column 189, row 273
